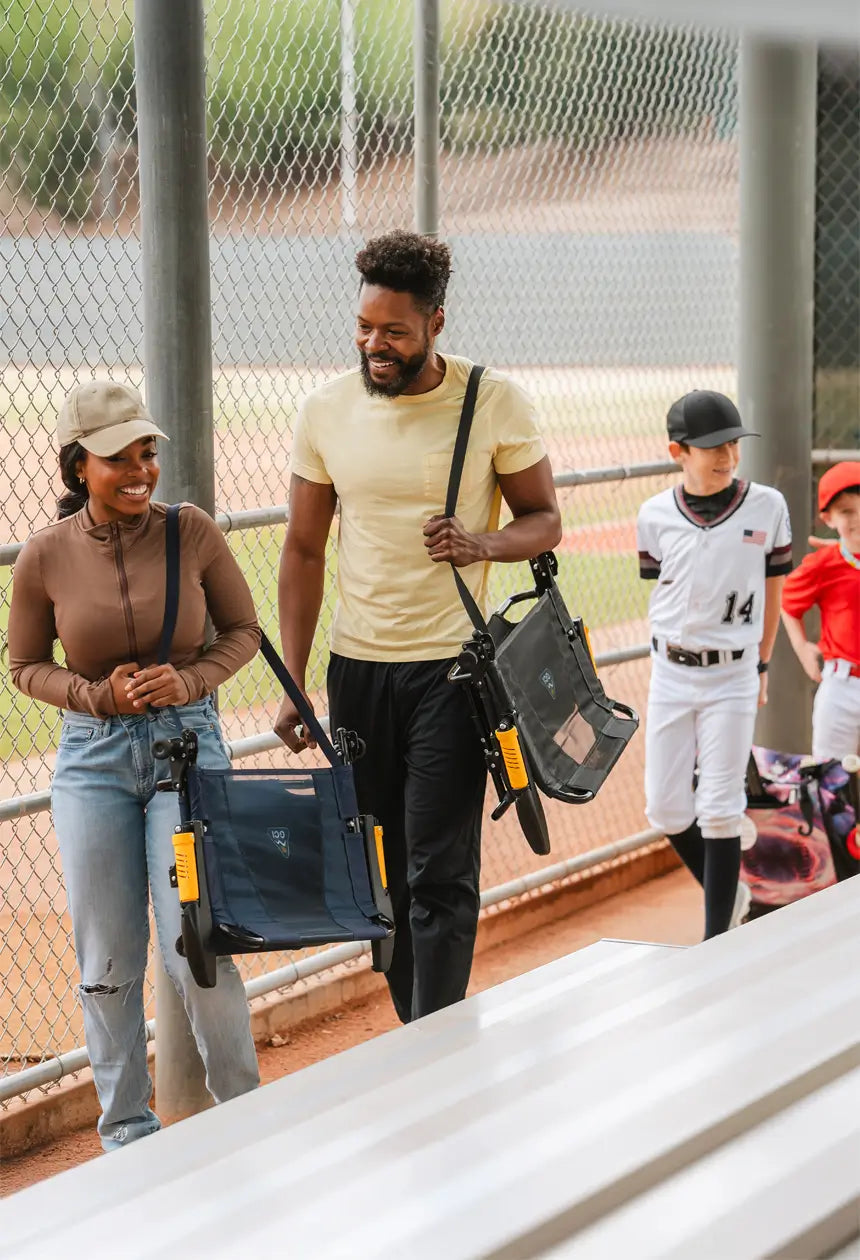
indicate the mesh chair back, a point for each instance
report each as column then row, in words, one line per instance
column 281, row 862
column 572, row 731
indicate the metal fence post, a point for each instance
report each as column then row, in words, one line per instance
column 174, row 222
column 777, row 179
column 426, row 59
column 348, row 118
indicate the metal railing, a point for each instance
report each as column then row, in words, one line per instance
column 278, row 514
column 267, row 741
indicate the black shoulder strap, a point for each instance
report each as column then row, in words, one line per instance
column 292, row 689
column 171, row 589
column 467, row 414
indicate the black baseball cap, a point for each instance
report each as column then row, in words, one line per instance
column 705, row 418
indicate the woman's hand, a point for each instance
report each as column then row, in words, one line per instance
column 157, row 685
column 119, row 681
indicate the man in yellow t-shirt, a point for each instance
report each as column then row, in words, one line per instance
column 380, row 440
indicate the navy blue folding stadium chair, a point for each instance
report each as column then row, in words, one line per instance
column 275, row 859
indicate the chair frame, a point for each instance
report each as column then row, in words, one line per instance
column 201, row 940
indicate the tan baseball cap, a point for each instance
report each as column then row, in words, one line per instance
column 103, row 417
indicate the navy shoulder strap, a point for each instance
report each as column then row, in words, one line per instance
column 171, row 610
column 171, row 588
column 293, row 690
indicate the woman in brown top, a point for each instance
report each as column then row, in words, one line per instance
column 95, row 580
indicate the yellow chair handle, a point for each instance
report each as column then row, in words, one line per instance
column 186, row 866
column 512, row 754
column 380, row 856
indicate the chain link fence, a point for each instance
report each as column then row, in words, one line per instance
column 837, row 251
column 589, row 189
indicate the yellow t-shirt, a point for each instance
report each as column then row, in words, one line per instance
column 389, row 460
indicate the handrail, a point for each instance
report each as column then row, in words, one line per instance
column 264, row 741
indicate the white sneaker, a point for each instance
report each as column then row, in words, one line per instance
column 741, row 908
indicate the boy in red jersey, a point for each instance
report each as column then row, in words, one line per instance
column 830, row 578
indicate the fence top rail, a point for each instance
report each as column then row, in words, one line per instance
column 278, row 514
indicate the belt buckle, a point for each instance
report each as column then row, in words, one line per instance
column 680, row 656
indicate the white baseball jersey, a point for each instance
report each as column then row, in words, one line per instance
column 710, row 575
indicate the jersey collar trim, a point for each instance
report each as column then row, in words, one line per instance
column 699, row 521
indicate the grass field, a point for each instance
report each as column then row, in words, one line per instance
column 590, row 417
column 601, row 587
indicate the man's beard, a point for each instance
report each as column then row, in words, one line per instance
column 409, row 370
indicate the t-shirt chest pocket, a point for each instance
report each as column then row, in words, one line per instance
column 437, row 470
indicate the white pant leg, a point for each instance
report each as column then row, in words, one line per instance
column 670, row 748
column 724, row 734
column 836, row 718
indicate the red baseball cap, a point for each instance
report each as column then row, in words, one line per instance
column 835, row 480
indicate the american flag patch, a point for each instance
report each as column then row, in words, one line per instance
column 757, row 537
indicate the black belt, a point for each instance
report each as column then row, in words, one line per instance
column 709, row 656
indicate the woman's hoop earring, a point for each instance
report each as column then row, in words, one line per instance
column 82, row 480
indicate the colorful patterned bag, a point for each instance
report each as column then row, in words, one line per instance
column 802, row 827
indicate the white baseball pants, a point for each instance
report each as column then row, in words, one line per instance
column 699, row 716
column 836, row 713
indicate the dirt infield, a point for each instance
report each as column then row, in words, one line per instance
column 591, row 417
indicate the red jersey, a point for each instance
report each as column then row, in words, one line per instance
column 827, row 579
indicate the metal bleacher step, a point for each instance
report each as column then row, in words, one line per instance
column 785, row 1187
column 549, row 1116
column 328, row 1085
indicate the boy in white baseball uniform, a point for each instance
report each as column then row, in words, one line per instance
column 830, row 578
column 718, row 549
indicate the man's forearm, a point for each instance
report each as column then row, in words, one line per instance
column 301, row 582
column 773, row 594
column 523, row 537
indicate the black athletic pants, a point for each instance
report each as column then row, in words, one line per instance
column 423, row 777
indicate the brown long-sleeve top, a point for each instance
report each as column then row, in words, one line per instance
column 100, row 590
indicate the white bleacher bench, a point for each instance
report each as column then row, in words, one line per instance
column 625, row 1102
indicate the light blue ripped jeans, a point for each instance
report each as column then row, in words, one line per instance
column 115, row 838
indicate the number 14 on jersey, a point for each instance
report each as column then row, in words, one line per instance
column 744, row 613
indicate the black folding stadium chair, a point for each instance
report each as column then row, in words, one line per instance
column 542, row 715
column 275, row 859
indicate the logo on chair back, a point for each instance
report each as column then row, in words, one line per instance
column 280, row 838
column 549, row 682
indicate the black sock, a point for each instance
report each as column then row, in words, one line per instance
column 690, row 848
column 722, row 868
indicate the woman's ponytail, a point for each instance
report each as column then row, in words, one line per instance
column 71, row 456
